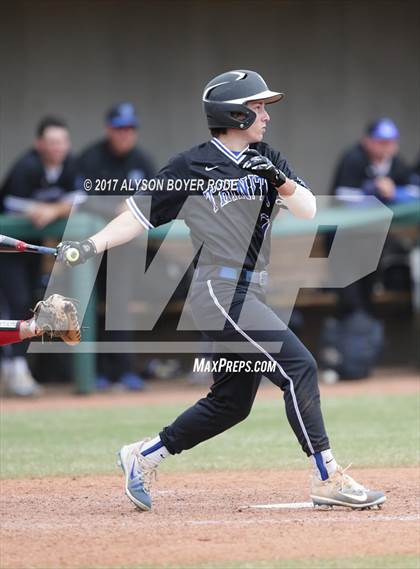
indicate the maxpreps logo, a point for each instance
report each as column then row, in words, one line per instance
column 220, row 192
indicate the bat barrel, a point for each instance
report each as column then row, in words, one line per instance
column 11, row 245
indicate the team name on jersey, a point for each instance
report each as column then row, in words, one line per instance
column 220, row 192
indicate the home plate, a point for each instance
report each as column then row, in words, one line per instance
column 284, row 506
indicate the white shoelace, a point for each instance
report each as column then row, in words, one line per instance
column 145, row 471
column 348, row 481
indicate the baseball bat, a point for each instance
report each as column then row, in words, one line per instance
column 10, row 245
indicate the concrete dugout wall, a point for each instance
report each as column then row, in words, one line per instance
column 340, row 64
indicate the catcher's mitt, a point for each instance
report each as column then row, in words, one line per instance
column 57, row 317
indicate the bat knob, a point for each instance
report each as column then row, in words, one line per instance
column 72, row 255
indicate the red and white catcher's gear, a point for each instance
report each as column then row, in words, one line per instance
column 9, row 332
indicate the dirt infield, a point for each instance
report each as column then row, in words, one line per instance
column 198, row 517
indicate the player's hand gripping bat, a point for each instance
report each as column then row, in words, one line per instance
column 68, row 252
column 75, row 252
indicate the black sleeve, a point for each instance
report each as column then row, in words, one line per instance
column 19, row 180
column 87, row 166
column 350, row 171
column 148, row 166
column 67, row 179
column 416, row 167
column 158, row 204
column 400, row 172
column 81, row 175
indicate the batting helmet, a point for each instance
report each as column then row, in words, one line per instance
column 227, row 93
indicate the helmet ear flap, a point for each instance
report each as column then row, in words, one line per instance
column 249, row 120
column 221, row 115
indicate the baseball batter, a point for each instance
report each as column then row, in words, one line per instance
column 241, row 184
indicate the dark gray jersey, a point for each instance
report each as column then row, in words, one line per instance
column 227, row 209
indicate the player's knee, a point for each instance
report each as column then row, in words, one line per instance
column 237, row 412
column 311, row 366
column 241, row 413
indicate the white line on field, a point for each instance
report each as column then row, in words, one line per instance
column 284, row 506
column 357, row 517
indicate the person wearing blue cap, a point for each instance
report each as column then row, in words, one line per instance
column 373, row 166
column 370, row 168
column 115, row 157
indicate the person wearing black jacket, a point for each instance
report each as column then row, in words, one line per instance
column 41, row 186
column 117, row 159
column 372, row 167
column 41, row 183
column 352, row 344
column 114, row 157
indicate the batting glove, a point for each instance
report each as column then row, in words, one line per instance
column 262, row 166
column 73, row 253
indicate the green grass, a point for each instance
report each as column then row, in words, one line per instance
column 368, row 431
column 381, row 562
column 369, row 562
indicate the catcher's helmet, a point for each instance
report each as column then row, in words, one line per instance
column 227, row 93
